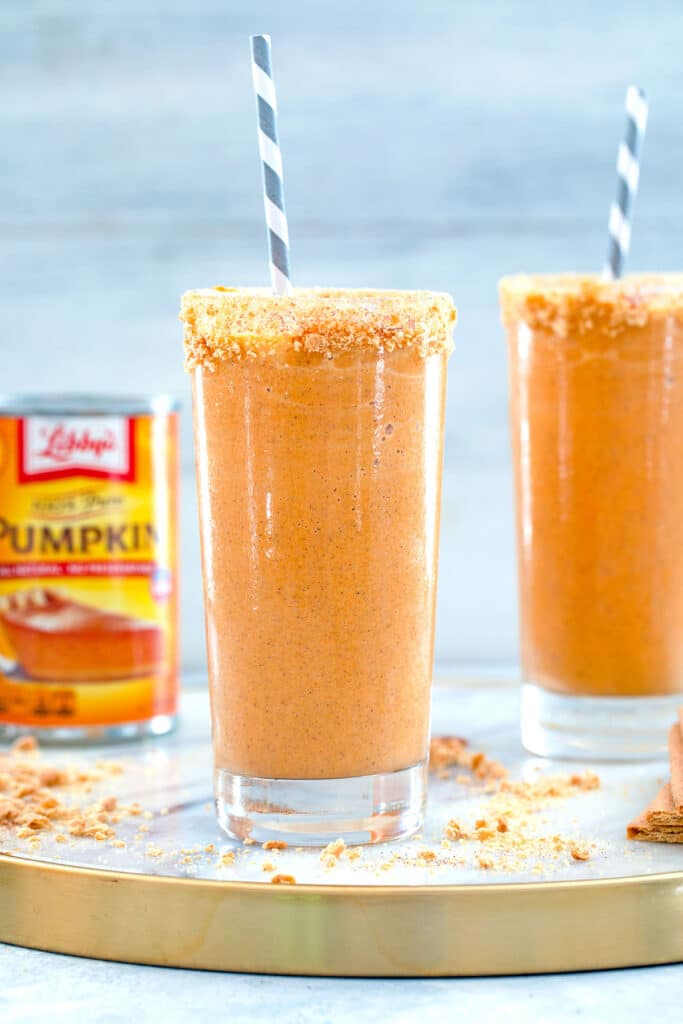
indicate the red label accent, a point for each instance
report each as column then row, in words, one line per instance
column 43, row 570
column 52, row 448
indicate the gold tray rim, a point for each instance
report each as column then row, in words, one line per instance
column 342, row 930
column 316, row 888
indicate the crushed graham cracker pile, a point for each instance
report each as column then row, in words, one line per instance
column 508, row 828
column 37, row 798
column 506, row 834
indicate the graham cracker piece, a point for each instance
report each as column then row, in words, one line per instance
column 660, row 822
column 676, row 764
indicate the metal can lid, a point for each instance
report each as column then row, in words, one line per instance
column 86, row 404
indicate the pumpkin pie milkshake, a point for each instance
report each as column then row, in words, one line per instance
column 596, row 406
column 318, row 435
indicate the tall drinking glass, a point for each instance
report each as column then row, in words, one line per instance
column 596, row 411
column 318, row 434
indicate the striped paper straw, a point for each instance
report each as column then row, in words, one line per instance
column 271, row 162
column 628, row 172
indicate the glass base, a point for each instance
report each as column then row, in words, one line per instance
column 89, row 734
column 597, row 728
column 313, row 812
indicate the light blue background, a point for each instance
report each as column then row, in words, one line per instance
column 430, row 145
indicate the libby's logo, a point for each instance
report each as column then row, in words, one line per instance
column 63, row 443
column 94, row 446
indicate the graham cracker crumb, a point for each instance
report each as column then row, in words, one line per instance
column 110, row 767
column 267, row 866
column 448, row 751
column 445, row 751
column 226, row 859
column 453, row 831
column 274, row 844
column 332, row 852
column 427, row 856
column 283, row 880
column 24, row 745
column 579, row 853
column 586, row 781
column 334, row 849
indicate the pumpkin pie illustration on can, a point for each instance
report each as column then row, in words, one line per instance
column 57, row 638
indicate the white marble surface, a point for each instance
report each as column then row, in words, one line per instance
column 37, row 987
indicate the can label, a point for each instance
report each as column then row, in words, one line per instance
column 88, row 574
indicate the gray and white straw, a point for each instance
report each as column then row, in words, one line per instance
column 271, row 162
column 628, row 172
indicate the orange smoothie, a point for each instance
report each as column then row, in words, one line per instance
column 596, row 406
column 318, row 433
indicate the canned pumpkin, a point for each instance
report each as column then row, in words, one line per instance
column 88, row 566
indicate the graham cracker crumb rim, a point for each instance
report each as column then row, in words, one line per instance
column 239, row 323
column 570, row 302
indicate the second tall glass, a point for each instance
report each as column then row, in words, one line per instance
column 596, row 409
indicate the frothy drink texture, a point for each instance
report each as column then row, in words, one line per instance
column 596, row 385
column 318, row 431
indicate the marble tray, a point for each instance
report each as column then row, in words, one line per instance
column 168, row 897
